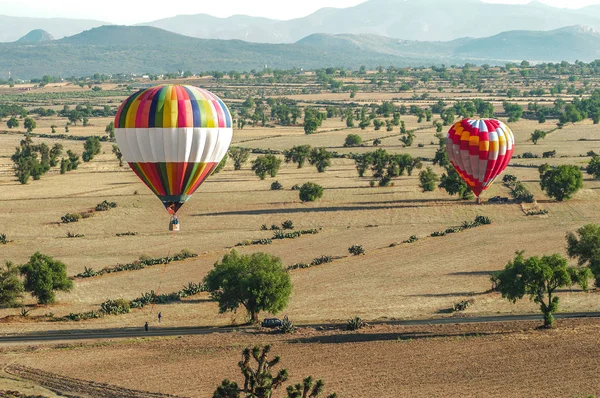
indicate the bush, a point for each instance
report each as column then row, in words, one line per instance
column 355, row 324
column 529, row 155
column 356, row 250
column 412, row 239
column 287, row 326
column 276, row 186
column 127, row 234
column 3, row 239
column 463, row 305
column 105, row 206
column 309, row 192
column 322, row 260
column 70, row 217
column 296, row 187
column 353, row 140
column 482, row 220
column 287, row 224
column 115, row 307
column 385, row 181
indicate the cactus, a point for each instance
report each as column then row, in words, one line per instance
column 356, row 250
column 355, row 323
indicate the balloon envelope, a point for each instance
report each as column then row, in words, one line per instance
column 479, row 150
column 173, row 137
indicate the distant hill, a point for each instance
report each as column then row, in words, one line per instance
column 35, row 36
column 13, row 28
column 423, row 20
column 143, row 49
column 570, row 43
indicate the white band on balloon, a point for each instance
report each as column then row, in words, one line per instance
column 170, row 145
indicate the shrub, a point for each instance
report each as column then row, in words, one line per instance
column 549, row 154
column 309, row 192
column 355, row 324
column 463, row 305
column 296, row 187
column 115, row 307
column 356, row 250
column 127, row 234
column 70, row 217
column 353, row 140
column 3, row 239
column 438, row 233
column 287, row 326
column 482, row 220
column 385, row 181
column 192, row 289
column 412, row 239
column 529, row 155
column 276, row 186
column 322, row 260
column 287, row 224
column 72, row 235
column 105, row 206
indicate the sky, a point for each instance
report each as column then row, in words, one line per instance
column 134, row 11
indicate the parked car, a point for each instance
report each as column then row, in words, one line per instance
column 271, row 323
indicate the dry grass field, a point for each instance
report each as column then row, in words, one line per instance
column 401, row 281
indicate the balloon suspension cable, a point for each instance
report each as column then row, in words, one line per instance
column 162, row 274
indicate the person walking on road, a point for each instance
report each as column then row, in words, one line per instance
column 146, row 326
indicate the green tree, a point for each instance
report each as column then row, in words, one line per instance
column 221, row 165
column 538, row 135
column 362, row 162
column 539, row 278
column 353, row 140
column 11, row 286
column 92, row 148
column 428, row 180
column 514, row 111
column 320, row 158
column 298, row 154
column 13, row 122
column 584, row 245
column 350, row 120
column 110, row 130
column 29, row 124
column 117, row 152
column 455, row 185
column 377, row 123
column 258, row 282
column 239, row 156
column 561, row 182
column 309, row 192
column 266, row 164
column 593, row 168
column 55, row 152
column 43, row 275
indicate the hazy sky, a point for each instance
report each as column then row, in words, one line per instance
column 135, row 11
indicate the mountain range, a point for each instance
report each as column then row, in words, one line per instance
column 423, row 20
column 143, row 49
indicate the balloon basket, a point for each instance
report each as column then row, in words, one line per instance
column 174, row 224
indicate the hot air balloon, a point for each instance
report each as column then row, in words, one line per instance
column 479, row 150
column 173, row 137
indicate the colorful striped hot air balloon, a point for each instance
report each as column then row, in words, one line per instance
column 173, row 137
column 479, row 150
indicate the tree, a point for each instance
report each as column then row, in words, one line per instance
column 561, row 182
column 428, row 180
column 321, row 158
column 11, row 287
column 539, row 278
column 239, row 156
column 44, row 275
column 593, row 167
column 514, row 111
column 258, row 282
column 92, row 148
column 266, row 164
column 221, row 165
column 298, row 154
column 29, row 124
column 55, row 152
column 377, row 124
column 260, row 382
column 455, row 185
column 12, row 122
column 353, row 140
column 310, row 125
column 538, row 135
column 584, row 245
column 309, row 192
column 110, row 130
column 118, row 154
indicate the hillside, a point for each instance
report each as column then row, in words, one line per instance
column 36, row 36
column 142, row 49
column 13, row 28
column 423, row 20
